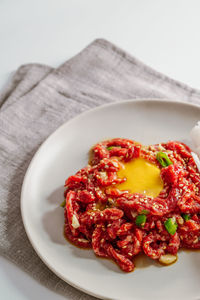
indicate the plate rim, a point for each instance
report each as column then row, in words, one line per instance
column 37, row 153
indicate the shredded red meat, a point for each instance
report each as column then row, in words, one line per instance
column 101, row 217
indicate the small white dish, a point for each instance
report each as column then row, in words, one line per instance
column 65, row 152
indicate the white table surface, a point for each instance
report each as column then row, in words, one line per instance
column 163, row 34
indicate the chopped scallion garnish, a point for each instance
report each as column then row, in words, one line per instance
column 63, row 203
column 163, row 159
column 140, row 220
column 171, row 225
column 186, row 217
column 109, row 148
column 145, row 212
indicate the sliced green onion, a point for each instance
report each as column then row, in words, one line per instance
column 63, row 203
column 171, row 225
column 145, row 212
column 163, row 159
column 186, row 217
column 109, row 148
column 140, row 220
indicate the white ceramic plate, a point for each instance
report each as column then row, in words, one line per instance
column 66, row 151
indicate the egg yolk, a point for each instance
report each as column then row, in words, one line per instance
column 141, row 177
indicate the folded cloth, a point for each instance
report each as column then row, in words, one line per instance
column 36, row 101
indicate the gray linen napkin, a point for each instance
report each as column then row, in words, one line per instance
column 36, row 101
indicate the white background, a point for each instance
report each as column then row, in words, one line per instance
column 163, row 34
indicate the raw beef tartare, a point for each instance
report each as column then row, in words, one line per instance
column 132, row 198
